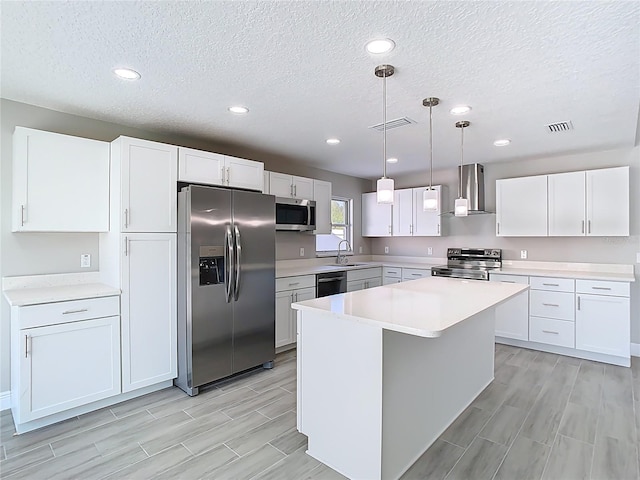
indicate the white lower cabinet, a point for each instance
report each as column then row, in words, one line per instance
column 415, row 273
column 602, row 321
column 364, row 278
column 290, row 290
column 149, row 310
column 512, row 316
column 65, row 358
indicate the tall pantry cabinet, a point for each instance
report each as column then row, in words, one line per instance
column 138, row 255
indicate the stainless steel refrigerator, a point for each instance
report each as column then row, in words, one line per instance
column 226, row 284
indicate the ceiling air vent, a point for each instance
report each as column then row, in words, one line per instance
column 559, row 127
column 398, row 122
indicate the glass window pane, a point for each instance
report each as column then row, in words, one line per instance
column 338, row 209
column 339, row 231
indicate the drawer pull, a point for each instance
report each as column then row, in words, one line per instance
column 22, row 215
column 507, row 281
column 578, row 303
column 80, row 310
column 601, row 288
column 416, row 274
column 551, row 331
column 551, row 305
column 292, row 284
column 551, row 284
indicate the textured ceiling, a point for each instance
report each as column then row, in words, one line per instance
column 302, row 70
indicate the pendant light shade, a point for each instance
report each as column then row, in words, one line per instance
column 384, row 187
column 461, row 206
column 385, row 190
column 430, row 196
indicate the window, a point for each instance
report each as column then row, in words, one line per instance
column 341, row 226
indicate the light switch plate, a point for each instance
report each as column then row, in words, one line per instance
column 85, row 260
column 429, row 250
column 302, row 251
column 523, row 254
column 360, row 249
column 386, row 249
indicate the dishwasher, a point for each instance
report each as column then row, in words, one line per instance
column 331, row 283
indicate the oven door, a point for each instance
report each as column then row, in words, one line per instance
column 294, row 214
column 330, row 283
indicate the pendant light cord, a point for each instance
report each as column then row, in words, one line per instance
column 431, row 145
column 461, row 159
column 384, row 125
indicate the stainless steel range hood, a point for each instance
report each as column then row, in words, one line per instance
column 472, row 177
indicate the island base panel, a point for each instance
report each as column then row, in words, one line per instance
column 372, row 401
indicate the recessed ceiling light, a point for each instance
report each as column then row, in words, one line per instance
column 502, row 143
column 392, row 160
column 460, row 110
column 381, row 45
column 126, row 73
column 333, row 141
column 238, row 109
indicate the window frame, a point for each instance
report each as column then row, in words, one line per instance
column 348, row 226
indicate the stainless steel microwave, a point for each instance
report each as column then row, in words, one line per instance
column 295, row 214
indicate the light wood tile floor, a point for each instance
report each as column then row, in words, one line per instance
column 544, row 417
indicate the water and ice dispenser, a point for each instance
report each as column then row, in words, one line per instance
column 211, row 265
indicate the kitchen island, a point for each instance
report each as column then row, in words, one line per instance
column 383, row 372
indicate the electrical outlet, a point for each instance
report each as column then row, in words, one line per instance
column 85, row 260
column 386, row 249
column 302, row 251
column 360, row 249
column 429, row 250
column 523, row 254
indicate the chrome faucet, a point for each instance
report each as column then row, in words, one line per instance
column 342, row 260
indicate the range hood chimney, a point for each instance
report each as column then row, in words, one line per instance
column 472, row 177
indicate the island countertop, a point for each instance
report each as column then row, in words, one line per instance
column 424, row 307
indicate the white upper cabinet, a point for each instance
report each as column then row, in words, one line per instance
column 144, row 175
column 427, row 224
column 608, row 202
column 376, row 218
column 521, row 207
column 567, row 207
column 322, row 197
column 290, row 186
column 409, row 218
column 215, row 169
column 60, row 183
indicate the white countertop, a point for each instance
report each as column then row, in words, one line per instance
column 313, row 269
column 578, row 274
column 424, row 307
column 36, row 289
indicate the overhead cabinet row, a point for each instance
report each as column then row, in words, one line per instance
column 584, row 203
column 406, row 217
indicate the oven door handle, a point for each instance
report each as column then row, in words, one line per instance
column 327, row 280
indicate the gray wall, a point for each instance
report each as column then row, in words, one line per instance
column 479, row 231
column 43, row 253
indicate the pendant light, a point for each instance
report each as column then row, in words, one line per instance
column 430, row 195
column 461, row 208
column 384, row 187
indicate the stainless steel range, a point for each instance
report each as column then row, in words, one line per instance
column 470, row 263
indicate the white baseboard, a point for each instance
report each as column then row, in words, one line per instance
column 5, row 400
column 635, row 349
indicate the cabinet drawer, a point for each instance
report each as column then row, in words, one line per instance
column 414, row 273
column 291, row 283
column 392, row 272
column 364, row 273
column 552, row 332
column 501, row 277
column 391, row 280
column 552, row 284
column 597, row 287
column 71, row 311
column 559, row 305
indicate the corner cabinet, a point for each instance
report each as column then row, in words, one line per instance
column 60, row 183
column 63, row 355
column 521, row 207
column 376, row 218
column 209, row 168
column 322, row 197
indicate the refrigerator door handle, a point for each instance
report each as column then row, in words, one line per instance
column 228, row 263
column 238, row 263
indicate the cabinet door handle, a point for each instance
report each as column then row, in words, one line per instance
column 126, row 246
column 126, row 218
column 22, row 215
column 498, row 225
column 507, row 281
column 80, row 310
column 228, row 175
column 295, row 190
column 438, row 229
column 551, row 284
column 389, row 229
column 550, row 331
column 601, row 288
column 551, row 305
column 582, row 226
column 292, row 284
column 416, row 274
column 589, row 226
column 578, row 302
column 26, row 346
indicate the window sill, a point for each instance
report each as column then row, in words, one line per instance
column 333, row 253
